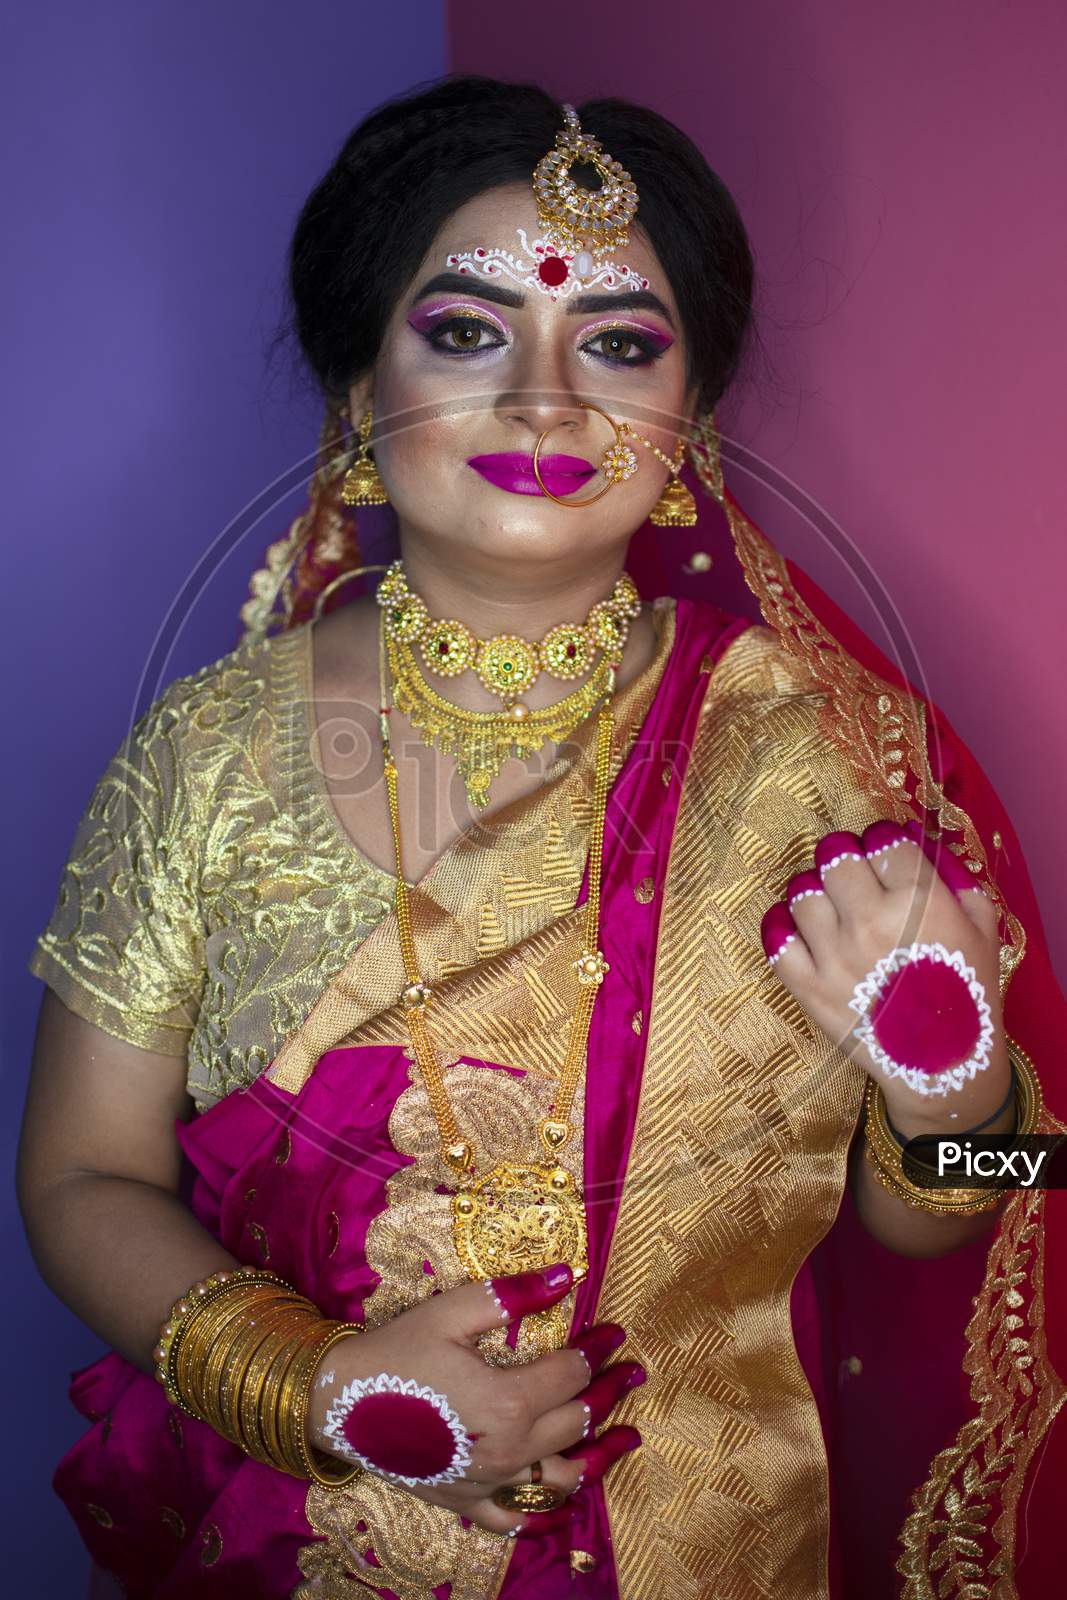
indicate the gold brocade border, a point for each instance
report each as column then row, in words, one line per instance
column 737, row 1168
column 949, row 1546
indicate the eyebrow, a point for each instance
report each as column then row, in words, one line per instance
column 581, row 305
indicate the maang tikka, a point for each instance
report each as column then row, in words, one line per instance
column 362, row 484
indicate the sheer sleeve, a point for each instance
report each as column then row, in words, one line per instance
column 125, row 944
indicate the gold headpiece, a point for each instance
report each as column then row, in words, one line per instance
column 568, row 213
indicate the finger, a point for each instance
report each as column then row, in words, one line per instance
column 556, row 1471
column 812, row 910
column 475, row 1308
column 595, row 1458
column 601, row 1397
column 580, row 1417
column 844, row 870
column 782, row 942
column 598, row 1343
column 518, row 1524
column 539, row 1523
column 896, row 857
column 562, row 1374
column 951, row 869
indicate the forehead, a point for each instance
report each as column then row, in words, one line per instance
column 492, row 220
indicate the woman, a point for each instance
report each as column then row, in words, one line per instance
column 535, row 1081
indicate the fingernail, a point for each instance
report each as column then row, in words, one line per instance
column 598, row 1343
column 636, row 1376
column 525, row 1292
column 557, row 1277
column 837, row 847
column 777, row 930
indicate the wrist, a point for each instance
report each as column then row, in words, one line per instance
column 340, row 1365
column 959, row 1110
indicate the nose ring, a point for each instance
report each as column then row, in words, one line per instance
column 618, row 462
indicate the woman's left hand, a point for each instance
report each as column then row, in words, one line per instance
column 863, row 898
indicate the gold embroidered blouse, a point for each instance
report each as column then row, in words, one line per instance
column 211, row 891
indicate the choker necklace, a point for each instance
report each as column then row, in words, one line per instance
column 517, row 1216
column 507, row 666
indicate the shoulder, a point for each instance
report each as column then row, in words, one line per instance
column 221, row 698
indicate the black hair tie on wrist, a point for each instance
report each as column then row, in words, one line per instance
column 961, row 1133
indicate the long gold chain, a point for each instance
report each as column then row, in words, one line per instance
column 589, row 966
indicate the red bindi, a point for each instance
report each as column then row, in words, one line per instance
column 552, row 271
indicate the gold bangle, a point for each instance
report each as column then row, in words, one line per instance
column 196, row 1350
column 885, row 1152
column 332, row 1474
column 270, row 1412
column 185, row 1310
column 235, row 1369
column 302, row 1359
column 249, row 1391
column 222, row 1353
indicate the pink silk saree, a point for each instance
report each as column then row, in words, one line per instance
column 772, row 1465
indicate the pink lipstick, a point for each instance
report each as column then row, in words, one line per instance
column 513, row 471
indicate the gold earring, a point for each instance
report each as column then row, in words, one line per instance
column 362, row 484
column 676, row 507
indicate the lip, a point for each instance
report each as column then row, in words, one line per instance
column 513, row 471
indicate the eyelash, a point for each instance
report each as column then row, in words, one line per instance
column 649, row 351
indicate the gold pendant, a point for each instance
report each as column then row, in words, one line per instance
column 520, row 1217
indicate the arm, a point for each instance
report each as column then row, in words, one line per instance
column 98, row 1175
column 97, row 1181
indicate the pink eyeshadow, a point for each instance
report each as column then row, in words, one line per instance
column 423, row 317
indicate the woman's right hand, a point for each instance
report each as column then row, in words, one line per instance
column 544, row 1410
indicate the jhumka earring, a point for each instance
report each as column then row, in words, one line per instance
column 676, row 507
column 362, row 484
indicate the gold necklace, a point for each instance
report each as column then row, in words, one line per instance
column 507, row 665
column 517, row 1216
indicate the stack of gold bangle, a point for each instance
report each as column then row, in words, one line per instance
column 884, row 1150
column 240, row 1351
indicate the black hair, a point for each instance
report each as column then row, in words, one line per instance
column 417, row 158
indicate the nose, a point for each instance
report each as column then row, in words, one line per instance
column 532, row 411
column 541, row 398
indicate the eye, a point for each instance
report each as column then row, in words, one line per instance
column 459, row 336
column 617, row 341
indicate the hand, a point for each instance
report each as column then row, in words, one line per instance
column 476, row 1427
column 862, row 899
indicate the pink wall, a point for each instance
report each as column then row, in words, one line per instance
column 901, row 172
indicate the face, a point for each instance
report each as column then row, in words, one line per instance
column 473, row 370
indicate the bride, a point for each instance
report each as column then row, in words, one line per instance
column 486, row 1009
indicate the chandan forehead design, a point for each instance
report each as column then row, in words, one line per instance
column 546, row 268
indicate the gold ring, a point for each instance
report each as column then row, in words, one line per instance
column 593, row 498
column 532, row 1496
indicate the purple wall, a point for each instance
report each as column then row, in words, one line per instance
column 900, row 170
column 155, row 161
